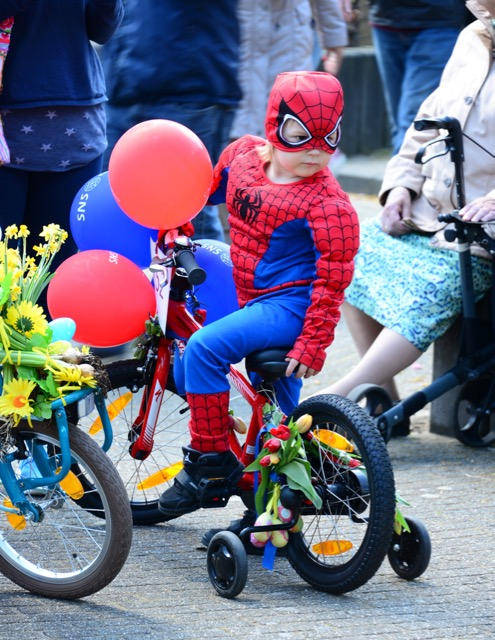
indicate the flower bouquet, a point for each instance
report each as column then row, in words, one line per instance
column 284, row 454
column 35, row 370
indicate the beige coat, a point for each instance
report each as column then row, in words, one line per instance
column 276, row 36
column 462, row 94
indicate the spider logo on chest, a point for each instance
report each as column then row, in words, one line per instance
column 247, row 205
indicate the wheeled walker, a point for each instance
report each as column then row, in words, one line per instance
column 474, row 414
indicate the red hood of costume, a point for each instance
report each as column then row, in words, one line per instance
column 313, row 98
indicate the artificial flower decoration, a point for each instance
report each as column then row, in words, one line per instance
column 35, row 370
column 14, row 400
column 27, row 318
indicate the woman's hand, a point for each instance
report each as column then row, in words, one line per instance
column 332, row 60
column 346, row 8
column 479, row 210
column 302, row 370
column 396, row 209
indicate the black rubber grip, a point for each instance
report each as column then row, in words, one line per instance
column 438, row 123
column 185, row 259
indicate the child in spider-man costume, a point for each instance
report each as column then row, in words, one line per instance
column 294, row 236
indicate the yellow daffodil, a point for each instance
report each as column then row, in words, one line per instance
column 27, row 318
column 15, row 292
column 23, row 231
column 14, row 400
column 53, row 233
column 40, row 249
column 11, row 231
column 13, row 259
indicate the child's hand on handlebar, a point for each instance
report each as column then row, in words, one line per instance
column 396, row 210
column 479, row 210
column 302, row 370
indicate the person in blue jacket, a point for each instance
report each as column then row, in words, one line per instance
column 179, row 61
column 52, row 107
column 413, row 41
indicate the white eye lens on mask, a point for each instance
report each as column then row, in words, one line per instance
column 292, row 135
column 333, row 138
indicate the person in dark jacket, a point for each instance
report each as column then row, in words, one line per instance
column 413, row 41
column 177, row 61
column 52, row 107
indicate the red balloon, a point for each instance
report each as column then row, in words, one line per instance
column 107, row 296
column 160, row 174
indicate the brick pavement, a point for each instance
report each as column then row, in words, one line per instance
column 163, row 592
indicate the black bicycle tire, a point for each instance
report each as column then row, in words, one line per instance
column 121, row 523
column 372, row 552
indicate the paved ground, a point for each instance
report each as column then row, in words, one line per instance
column 163, row 592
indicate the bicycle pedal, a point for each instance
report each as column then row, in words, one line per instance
column 214, row 492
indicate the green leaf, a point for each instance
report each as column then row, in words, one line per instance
column 401, row 500
column 43, row 410
column 298, row 476
column 39, row 340
column 255, row 465
column 5, row 288
column 400, row 523
column 27, row 373
column 48, row 385
column 259, row 499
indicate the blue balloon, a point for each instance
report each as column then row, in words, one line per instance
column 217, row 294
column 62, row 329
column 97, row 222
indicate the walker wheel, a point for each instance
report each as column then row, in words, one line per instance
column 474, row 414
column 374, row 400
column 409, row 553
column 227, row 564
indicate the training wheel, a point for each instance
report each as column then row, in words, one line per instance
column 227, row 564
column 373, row 399
column 409, row 553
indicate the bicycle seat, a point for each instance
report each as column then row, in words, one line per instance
column 269, row 363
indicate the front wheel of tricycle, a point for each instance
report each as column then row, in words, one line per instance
column 342, row 544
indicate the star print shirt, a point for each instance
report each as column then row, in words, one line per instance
column 54, row 138
column 284, row 236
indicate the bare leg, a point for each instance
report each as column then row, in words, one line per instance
column 364, row 331
column 389, row 354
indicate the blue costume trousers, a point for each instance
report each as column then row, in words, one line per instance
column 263, row 323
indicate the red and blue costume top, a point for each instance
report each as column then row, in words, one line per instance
column 301, row 236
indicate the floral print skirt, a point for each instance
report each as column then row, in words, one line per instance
column 408, row 286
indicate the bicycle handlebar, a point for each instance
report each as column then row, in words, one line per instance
column 185, row 258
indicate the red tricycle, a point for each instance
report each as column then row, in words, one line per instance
column 337, row 521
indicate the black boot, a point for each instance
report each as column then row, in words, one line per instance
column 207, row 479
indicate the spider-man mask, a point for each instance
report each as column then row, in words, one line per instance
column 315, row 101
